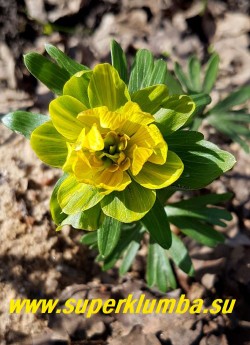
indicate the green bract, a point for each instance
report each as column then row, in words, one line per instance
column 123, row 145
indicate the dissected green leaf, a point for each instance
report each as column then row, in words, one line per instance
column 50, row 74
column 238, row 97
column 143, row 64
column 119, row 60
column 145, row 72
column 194, row 216
column 23, row 122
column 158, row 74
column 192, row 81
column 159, row 271
column 108, row 236
column 200, row 232
column 65, row 62
column 234, row 125
column 204, row 200
column 201, row 100
column 203, row 161
column 211, row 73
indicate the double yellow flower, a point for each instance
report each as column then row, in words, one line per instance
column 108, row 143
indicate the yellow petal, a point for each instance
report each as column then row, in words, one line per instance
column 83, row 170
column 117, row 180
column 142, row 138
column 111, row 120
column 90, row 116
column 134, row 117
column 160, row 149
column 71, row 159
column 93, row 139
column 154, row 176
column 100, row 176
column 140, row 156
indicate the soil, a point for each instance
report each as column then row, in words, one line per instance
column 38, row 262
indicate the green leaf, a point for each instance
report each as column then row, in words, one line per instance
column 23, row 122
column 180, row 256
column 127, row 237
column 193, row 217
column 209, row 215
column 159, row 271
column 194, row 69
column 164, row 194
column 56, row 212
column 124, row 206
column 201, row 100
column 158, row 74
column 106, row 88
column 75, row 197
column 195, row 124
column 145, row 72
column 65, row 62
column 182, row 77
column 234, row 125
column 49, row 145
column 108, row 236
column 50, row 74
column 211, row 73
column 204, row 200
column 156, row 222
column 150, row 98
column 119, row 61
column 200, row 232
column 89, row 238
column 89, row 220
column 63, row 112
column 238, row 97
column 174, row 86
column 77, row 87
column 203, row 161
column 176, row 111
column 142, row 66
column 130, row 253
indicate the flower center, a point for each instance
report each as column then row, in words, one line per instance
column 112, row 155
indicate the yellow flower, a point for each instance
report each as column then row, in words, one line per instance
column 108, row 143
